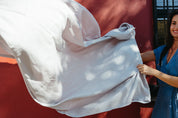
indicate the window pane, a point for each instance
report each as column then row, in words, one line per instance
column 175, row 2
column 162, row 27
column 159, row 2
column 165, row 2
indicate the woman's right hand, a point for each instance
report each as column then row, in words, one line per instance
column 144, row 69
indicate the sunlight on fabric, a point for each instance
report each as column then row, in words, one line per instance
column 107, row 75
column 90, row 76
column 119, row 60
column 59, row 70
column 134, row 48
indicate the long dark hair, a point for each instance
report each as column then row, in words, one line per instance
column 169, row 40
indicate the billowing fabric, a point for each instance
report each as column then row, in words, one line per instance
column 167, row 100
column 65, row 63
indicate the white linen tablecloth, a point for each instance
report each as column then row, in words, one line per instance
column 65, row 63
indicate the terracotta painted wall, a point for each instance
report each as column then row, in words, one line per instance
column 15, row 101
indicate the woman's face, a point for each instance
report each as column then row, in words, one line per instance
column 174, row 27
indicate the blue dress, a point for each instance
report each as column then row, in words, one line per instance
column 166, row 105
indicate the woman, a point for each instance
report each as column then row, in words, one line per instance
column 166, row 58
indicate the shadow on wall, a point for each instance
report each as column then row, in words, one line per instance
column 111, row 13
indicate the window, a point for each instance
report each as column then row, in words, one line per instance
column 161, row 9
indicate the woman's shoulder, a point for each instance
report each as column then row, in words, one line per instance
column 157, row 51
column 160, row 48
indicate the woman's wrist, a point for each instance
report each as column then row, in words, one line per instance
column 156, row 73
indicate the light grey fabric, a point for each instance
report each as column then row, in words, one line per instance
column 65, row 63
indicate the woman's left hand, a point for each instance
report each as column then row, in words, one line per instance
column 144, row 69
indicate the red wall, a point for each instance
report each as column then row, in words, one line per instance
column 15, row 101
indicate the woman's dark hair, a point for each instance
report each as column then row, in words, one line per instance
column 169, row 40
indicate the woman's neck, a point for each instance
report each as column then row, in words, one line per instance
column 175, row 44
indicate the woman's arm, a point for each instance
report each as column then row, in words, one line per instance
column 171, row 80
column 148, row 56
